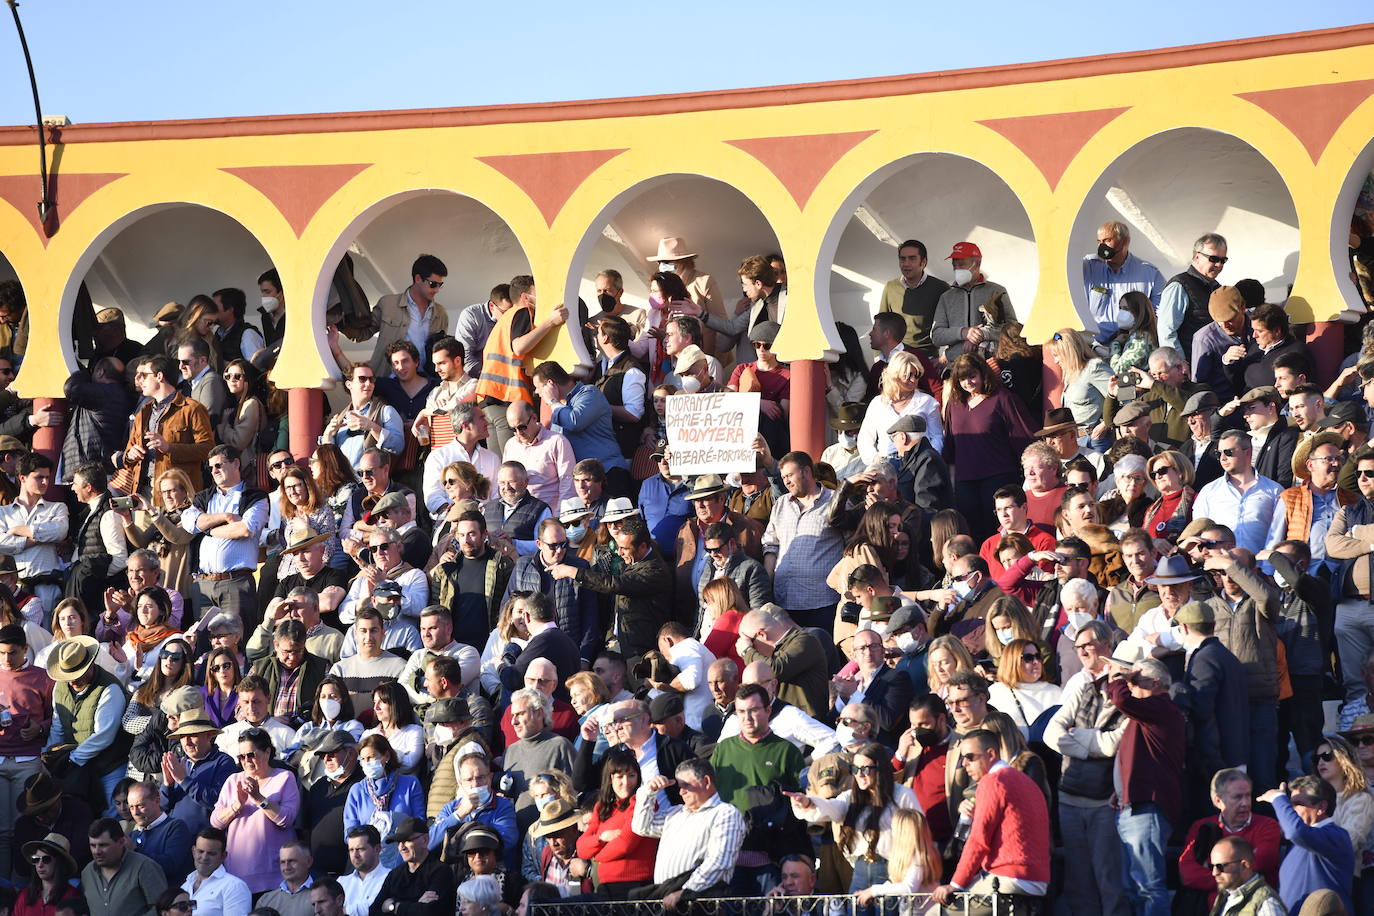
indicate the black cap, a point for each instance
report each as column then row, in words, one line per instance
column 665, row 706
column 1342, row 412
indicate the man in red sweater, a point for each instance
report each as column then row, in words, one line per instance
column 1232, row 792
column 1010, row 836
column 920, row 761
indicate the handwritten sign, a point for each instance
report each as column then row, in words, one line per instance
column 712, row 433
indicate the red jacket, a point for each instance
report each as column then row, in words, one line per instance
column 1040, row 536
column 928, row 782
column 628, row 857
column 1010, row 836
column 1262, row 832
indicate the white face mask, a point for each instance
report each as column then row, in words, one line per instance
column 444, row 734
column 333, row 772
column 1125, row 320
column 666, row 267
column 271, row 303
column 844, row 734
column 480, row 795
column 962, row 276
column 1281, row 580
column 905, row 641
column 1079, row 619
column 849, row 438
column 690, row 384
column 330, row 708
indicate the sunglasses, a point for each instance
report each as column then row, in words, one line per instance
column 223, row 666
column 364, row 379
column 557, row 545
column 1031, row 657
column 435, row 284
column 1214, row 258
column 1232, row 452
column 368, row 472
column 40, row 859
column 285, row 462
column 217, row 465
column 1160, row 472
column 1365, row 472
column 1363, row 740
column 850, row 721
column 1222, row 866
column 233, row 376
column 1057, row 338
column 174, row 656
column 867, row 769
column 718, row 549
column 1325, row 756
column 967, row 758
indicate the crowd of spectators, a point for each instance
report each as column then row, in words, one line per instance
column 483, row 647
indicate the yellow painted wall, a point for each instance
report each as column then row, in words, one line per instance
column 695, row 142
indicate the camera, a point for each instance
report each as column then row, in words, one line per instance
column 849, row 612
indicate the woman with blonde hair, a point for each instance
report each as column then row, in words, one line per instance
column 946, row 656
column 162, row 532
column 1022, row 690
column 723, row 606
column 510, row 628
column 901, row 396
column 1086, row 378
column 1172, row 475
column 1007, row 621
column 914, row 866
column 1336, row 762
column 198, row 320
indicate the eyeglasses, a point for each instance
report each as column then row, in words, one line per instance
column 1161, row 471
column 39, row 859
column 1084, row 647
column 1032, row 657
column 433, row 284
column 368, row 472
column 364, row 379
column 1365, row 472
column 233, row 376
column 1325, row 756
column 1222, row 866
column 1214, row 258
column 1326, row 459
column 850, row 721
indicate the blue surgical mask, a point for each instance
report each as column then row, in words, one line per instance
column 1006, row 636
column 373, row 769
column 962, row 589
column 481, row 795
column 544, row 801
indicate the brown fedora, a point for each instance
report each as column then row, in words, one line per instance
column 41, row 793
column 1057, row 420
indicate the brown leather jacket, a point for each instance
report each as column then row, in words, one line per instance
column 186, row 427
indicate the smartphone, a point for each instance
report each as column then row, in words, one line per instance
column 124, row 503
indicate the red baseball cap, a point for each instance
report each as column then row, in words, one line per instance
column 964, row 250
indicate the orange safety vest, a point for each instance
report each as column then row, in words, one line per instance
column 503, row 373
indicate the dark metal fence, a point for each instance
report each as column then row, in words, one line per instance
column 814, row 905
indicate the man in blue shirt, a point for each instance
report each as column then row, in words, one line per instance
column 1112, row 272
column 231, row 516
column 1241, row 499
column 582, row 413
column 663, row 501
column 1322, row 857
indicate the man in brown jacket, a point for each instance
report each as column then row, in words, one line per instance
column 707, row 497
column 169, row 430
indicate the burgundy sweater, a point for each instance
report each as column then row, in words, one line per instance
column 28, row 692
column 1150, row 756
column 989, row 439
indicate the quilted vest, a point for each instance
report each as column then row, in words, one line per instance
column 77, row 714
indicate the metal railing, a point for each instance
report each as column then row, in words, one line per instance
column 813, row 905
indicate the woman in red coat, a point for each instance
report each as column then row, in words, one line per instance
column 624, row 859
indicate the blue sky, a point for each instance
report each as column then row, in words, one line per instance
column 156, row 59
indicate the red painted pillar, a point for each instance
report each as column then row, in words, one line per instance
column 808, row 407
column 305, row 418
column 47, row 440
column 1326, row 341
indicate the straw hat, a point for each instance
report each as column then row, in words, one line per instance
column 1308, row 444
column 73, row 658
column 557, row 815
column 56, row 844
